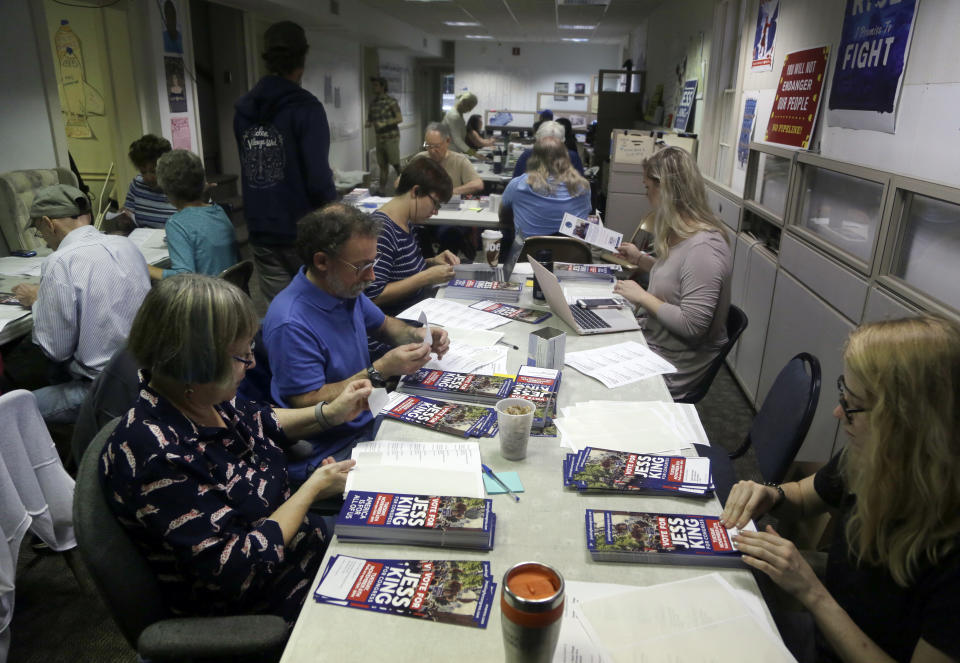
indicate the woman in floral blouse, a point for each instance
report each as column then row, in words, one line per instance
column 197, row 476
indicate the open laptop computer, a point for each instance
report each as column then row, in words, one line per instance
column 584, row 321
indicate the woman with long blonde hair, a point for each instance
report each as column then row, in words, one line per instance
column 551, row 187
column 688, row 296
column 892, row 585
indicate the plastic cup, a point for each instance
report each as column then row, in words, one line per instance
column 491, row 246
column 514, row 419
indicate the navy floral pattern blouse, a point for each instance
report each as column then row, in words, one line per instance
column 196, row 501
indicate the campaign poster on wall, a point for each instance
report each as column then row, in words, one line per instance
column 871, row 60
column 764, row 36
column 686, row 105
column 797, row 99
column 748, row 116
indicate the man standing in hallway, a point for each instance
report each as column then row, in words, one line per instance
column 385, row 118
column 284, row 142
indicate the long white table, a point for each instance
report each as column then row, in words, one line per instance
column 470, row 214
column 546, row 525
column 154, row 251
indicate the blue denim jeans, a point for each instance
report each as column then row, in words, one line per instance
column 59, row 403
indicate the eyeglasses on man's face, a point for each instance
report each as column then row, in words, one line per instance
column 433, row 146
column 436, row 203
column 848, row 411
column 359, row 269
column 247, row 359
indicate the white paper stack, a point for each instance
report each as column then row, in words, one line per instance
column 453, row 314
column 620, row 364
column 649, row 427
column 702, row 619
column 417, row 468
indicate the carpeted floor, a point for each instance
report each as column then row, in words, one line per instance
column 56, row 620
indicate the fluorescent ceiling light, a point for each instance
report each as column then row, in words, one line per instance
column 460, row 24
column 576, row 27
column 477, row 37
column 578, row 39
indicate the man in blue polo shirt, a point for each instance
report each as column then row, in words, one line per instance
column 316, row 328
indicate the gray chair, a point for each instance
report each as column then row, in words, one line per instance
column 564, row 249
column 239, row 274
column 128, row 587
column 17, row 191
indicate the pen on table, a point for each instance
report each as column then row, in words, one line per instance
column 493, row 476
column 509, row 345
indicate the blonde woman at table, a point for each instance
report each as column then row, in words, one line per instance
column 689, row 291
column 401, row 274
column 892, row 586
column 197, row 476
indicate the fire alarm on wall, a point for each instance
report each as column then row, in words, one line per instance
column 516, row 50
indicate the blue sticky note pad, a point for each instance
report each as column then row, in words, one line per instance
column 512, row 479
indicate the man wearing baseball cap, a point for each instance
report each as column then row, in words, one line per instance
column 284, row 142
column 90, row 289
column 385, row 118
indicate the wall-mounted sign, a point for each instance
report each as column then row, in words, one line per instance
column 764, row 36
column 797, row 100
column 686, row 105
column 871, row 61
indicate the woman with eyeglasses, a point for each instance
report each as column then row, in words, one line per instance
column 688, row 295
column 197, row 476
column 892, row 585
column 402, row 274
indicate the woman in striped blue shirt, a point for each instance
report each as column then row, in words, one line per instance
column 401, row 273
column 146, row 202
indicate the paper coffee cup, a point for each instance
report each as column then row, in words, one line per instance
column 491, row 246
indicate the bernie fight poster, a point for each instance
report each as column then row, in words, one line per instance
column 870, row 64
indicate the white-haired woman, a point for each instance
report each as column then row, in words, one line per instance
column 689, row 290
column 200, row 235
column 892, row 585
column 465, row 102
column 196, row 474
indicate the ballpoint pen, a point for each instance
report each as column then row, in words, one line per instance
column 493, row 476
column 509, row 345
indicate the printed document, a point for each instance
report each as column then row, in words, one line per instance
column 621, row 364
column 417, row 468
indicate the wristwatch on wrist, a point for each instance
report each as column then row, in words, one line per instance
column 376, row 379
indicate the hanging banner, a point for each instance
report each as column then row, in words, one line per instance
column 686, row 105
column 767, row 14
column 797, row 100
column 871, row 60
column 747, row 122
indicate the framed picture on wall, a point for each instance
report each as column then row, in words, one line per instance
column 560, row 91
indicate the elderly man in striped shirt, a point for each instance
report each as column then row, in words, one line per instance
column 90, row 289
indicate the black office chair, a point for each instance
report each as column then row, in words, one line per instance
column 239, row 274
column 778, row 429
column 564, row 249
column 130, row 591
column 736, row 323
column 783, row 420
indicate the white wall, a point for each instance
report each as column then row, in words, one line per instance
column 333, row 64
column 26, row 135
column 678, row 31
column 926, row 144
column 505, row 81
